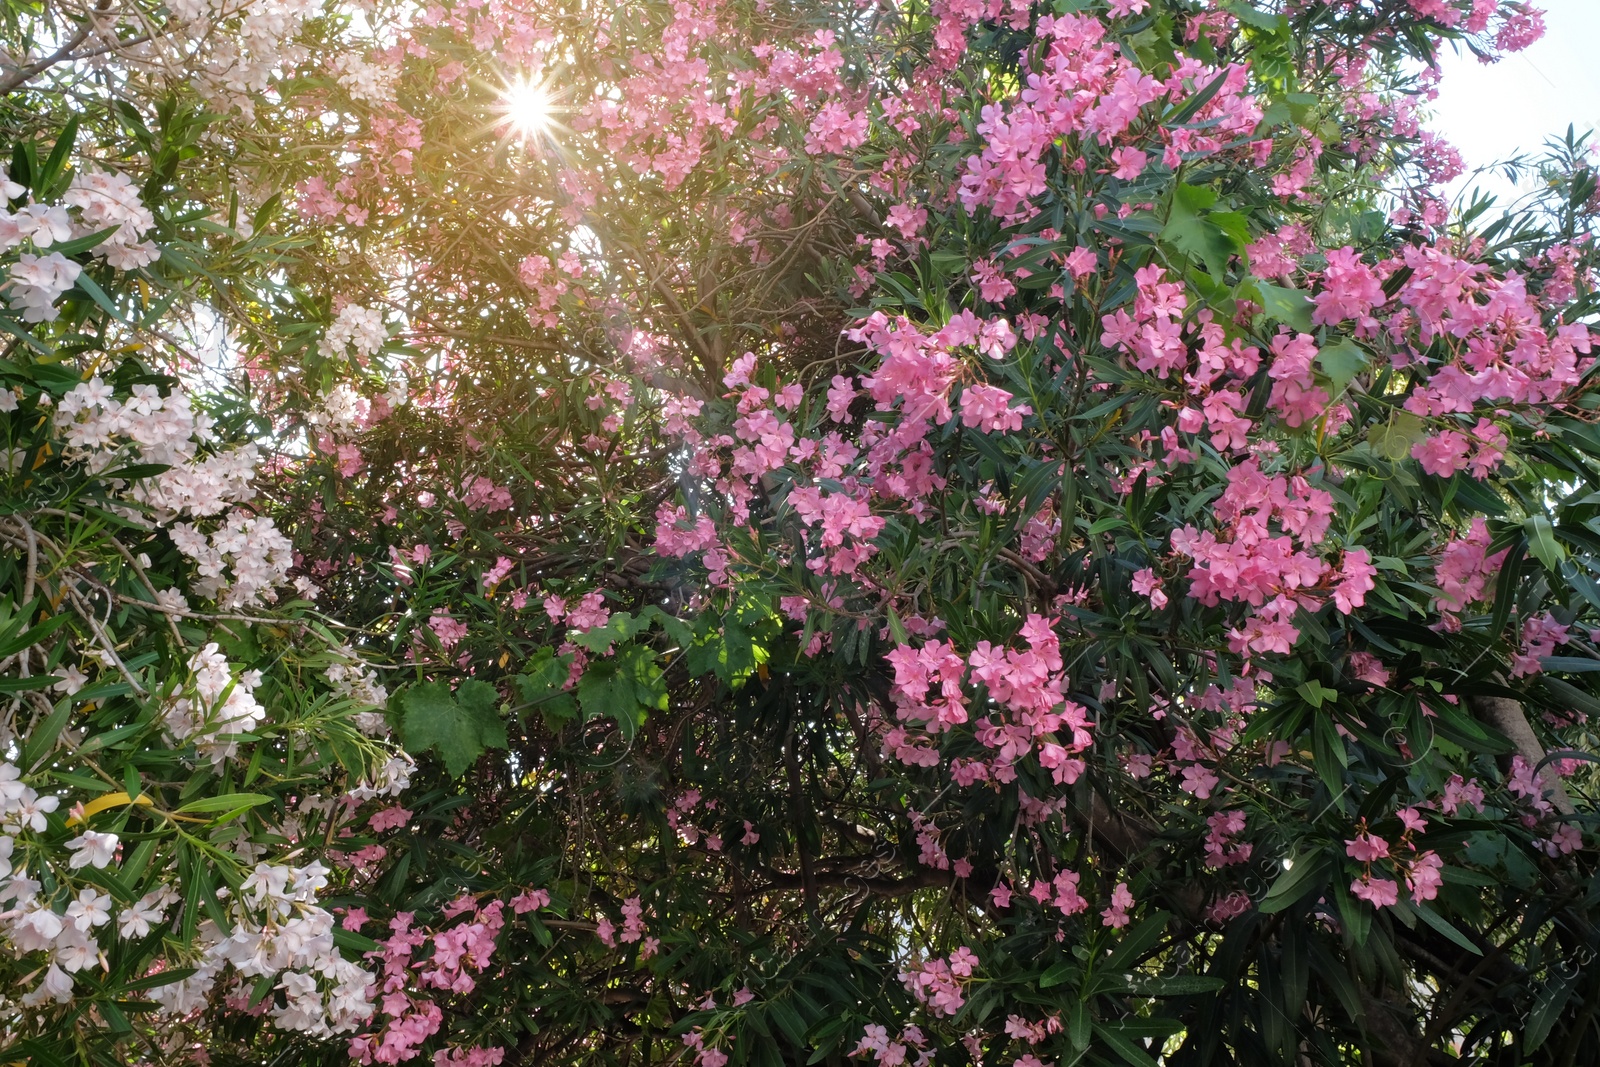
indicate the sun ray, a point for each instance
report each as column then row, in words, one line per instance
column 525, row 107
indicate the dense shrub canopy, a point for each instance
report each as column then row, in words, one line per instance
column 789, row 533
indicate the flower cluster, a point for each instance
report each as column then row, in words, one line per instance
column 104, row 200
column 95, row 202
column 1084, row 87
column 279, row 931
column 1026, row 689
column 1421, row 869
column 355, row 328
column 240, row 563
column 414, row 958
column 353, row 679
column 937, row 983
column 217, row 708
column 1275, row 573
column 244, row 558
column 894, row 1051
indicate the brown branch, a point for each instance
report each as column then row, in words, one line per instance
column 877, row 886
column 422, row 333
column 17, row 77
column 1507, row 716
column 808, row 874
column 1444, row 1016
column 1397, row 1044
column 857, row 201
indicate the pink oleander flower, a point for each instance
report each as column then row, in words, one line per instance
column 984, row 407
column 1368, row 668
column 1424, row 876
column 448, row 630
column 1116, row 914
column 1199, row 781
column 1366, row 848
column 1442, row 454
column 1130, row 163
column 1379, row 892
column 1356, row 576
column 530, row 900
column 389, row 818
column 1147, row 583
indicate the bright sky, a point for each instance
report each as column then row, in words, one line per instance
column 1494, row 112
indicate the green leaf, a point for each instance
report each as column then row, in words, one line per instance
column 1188, row 230
column 1078, row 1028
column 1569, row 664
column 136, row 471
column 1305, row 876
column 625, row 688
column 1355, row 916
column 1136, row 941
column 1178, row 985
column 1316, row 694
column 619, row 627
column 1393, row 440
column 225, row 802
column 1443, row 925
column 1192, row 106
column 541, row 685
column 1292, row 307
column 1546, row 1011
column 160, row 978
column 1542, row 542
column 1341, row 362
column 726, row 651
column 1251, row 15
column 84, row 243
column 1060, row 974
column 48, row 173
column 34, row 635
column 458, row 731
column 355, row 942
column 1036, row 484
column 1456, row 726
column 42, row 738
column 22, row 685
column 1132, row 1053
column 98, row 295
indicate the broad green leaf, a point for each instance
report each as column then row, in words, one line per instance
column 1188, row 230
column 625, row 688
column 1292, row 307
column 541, row 683
column 1392, row 440
column 1341, row 362
column 459, row 732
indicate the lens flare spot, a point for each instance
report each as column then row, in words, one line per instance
column 525, row 105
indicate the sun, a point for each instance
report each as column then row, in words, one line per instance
column 525, row 107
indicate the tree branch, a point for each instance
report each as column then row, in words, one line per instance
column 1507, row 716
column 19, row 76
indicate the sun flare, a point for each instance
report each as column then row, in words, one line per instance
column 525, row 106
